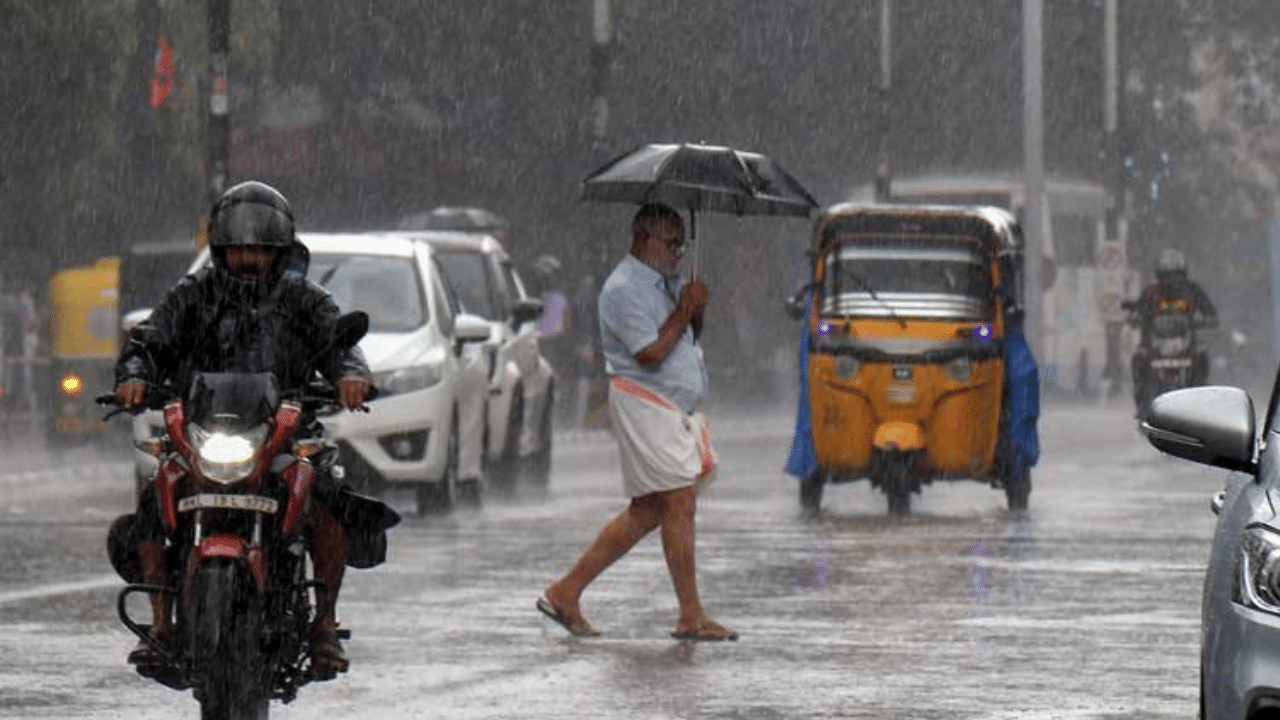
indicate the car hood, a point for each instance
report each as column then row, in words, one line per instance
column 389, row 351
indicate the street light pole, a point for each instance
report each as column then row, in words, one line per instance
column 883, row 97
column 219, row 127
column 1033, row 168
column 1114, row 258
column 601, row 46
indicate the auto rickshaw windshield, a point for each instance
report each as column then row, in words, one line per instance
column 923, row 279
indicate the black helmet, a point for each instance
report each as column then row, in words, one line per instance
column 251, row 213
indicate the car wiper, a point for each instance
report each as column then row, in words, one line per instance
column 865, row 285
column 324, row 279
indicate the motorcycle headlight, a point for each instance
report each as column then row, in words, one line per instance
column 403, row 380
column 226, row 457
column 1257, row 582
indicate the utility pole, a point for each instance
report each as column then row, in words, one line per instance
column 601, row 51
column 219, row 122
column 884, row 103
column 1033, row 169
column 1113, row 255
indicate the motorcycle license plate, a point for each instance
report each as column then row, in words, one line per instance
column 1168, row 363
column 254, row 503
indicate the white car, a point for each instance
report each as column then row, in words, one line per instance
column 522, row 387
column 431, row 390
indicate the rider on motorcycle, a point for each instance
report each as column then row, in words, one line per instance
column 1172, row 292
column 251, row 310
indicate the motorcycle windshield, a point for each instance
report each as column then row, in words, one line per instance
column 233, row 402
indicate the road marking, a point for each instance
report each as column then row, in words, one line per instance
column 65, row 588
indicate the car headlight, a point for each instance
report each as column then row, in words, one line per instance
column 226, row 457
column 1257, row 582
column 403, row 380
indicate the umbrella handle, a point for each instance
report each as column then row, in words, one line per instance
column 693, row 239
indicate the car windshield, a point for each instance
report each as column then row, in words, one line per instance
column 467, row 273
column 910, row 279
column 387, row 288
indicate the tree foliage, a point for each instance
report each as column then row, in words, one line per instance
column 399, row 105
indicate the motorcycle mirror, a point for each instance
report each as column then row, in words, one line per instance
column 350, row 328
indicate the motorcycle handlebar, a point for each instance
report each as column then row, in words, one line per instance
column 316, row 397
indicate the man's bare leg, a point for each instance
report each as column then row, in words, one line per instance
column 151, row 558
column 617, row 537
column 679, row 509
column 329, row 558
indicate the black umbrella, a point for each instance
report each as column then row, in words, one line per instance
column 700, row 178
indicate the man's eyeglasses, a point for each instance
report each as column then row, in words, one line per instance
column 676, row 244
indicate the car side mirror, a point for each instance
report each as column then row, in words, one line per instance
column 468, row 328
column 525, row 310
column 1212, row 425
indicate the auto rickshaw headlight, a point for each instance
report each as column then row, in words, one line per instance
column 846, row 366
column 960, row 369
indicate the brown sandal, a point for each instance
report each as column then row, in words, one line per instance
column 327, row 656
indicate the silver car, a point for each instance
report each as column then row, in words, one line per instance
column 1240, row 611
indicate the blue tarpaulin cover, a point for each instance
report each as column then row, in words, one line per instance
column 802, row 462
column 1021, row 406
column 1022, row 401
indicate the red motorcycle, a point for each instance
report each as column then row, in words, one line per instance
column 236, row 468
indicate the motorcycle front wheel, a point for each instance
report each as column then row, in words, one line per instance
column 226, row 625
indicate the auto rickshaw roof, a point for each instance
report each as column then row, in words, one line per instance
column 991, row 223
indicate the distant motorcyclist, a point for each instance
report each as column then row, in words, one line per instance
column 250, row 310
column 1172, row 293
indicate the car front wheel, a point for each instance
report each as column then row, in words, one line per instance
column 435, row 498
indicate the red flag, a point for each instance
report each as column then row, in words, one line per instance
column 162, row 73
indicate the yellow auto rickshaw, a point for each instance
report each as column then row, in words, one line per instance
column 913, row 363
column 84, row 341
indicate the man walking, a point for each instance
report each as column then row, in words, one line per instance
column 649, row 326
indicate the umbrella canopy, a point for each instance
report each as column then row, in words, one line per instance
column 708, row 178
column 452, row 217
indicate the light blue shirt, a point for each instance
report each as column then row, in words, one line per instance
column 633, row 304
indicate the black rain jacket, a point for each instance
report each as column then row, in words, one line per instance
column 214, row 322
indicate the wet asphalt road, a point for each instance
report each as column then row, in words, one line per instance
column 1086, row 607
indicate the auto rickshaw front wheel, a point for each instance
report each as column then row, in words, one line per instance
column 894, row 473
column 811, row 493
column 1017, row 490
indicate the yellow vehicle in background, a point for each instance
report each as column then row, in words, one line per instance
column 915, row 368
column 84, row 340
